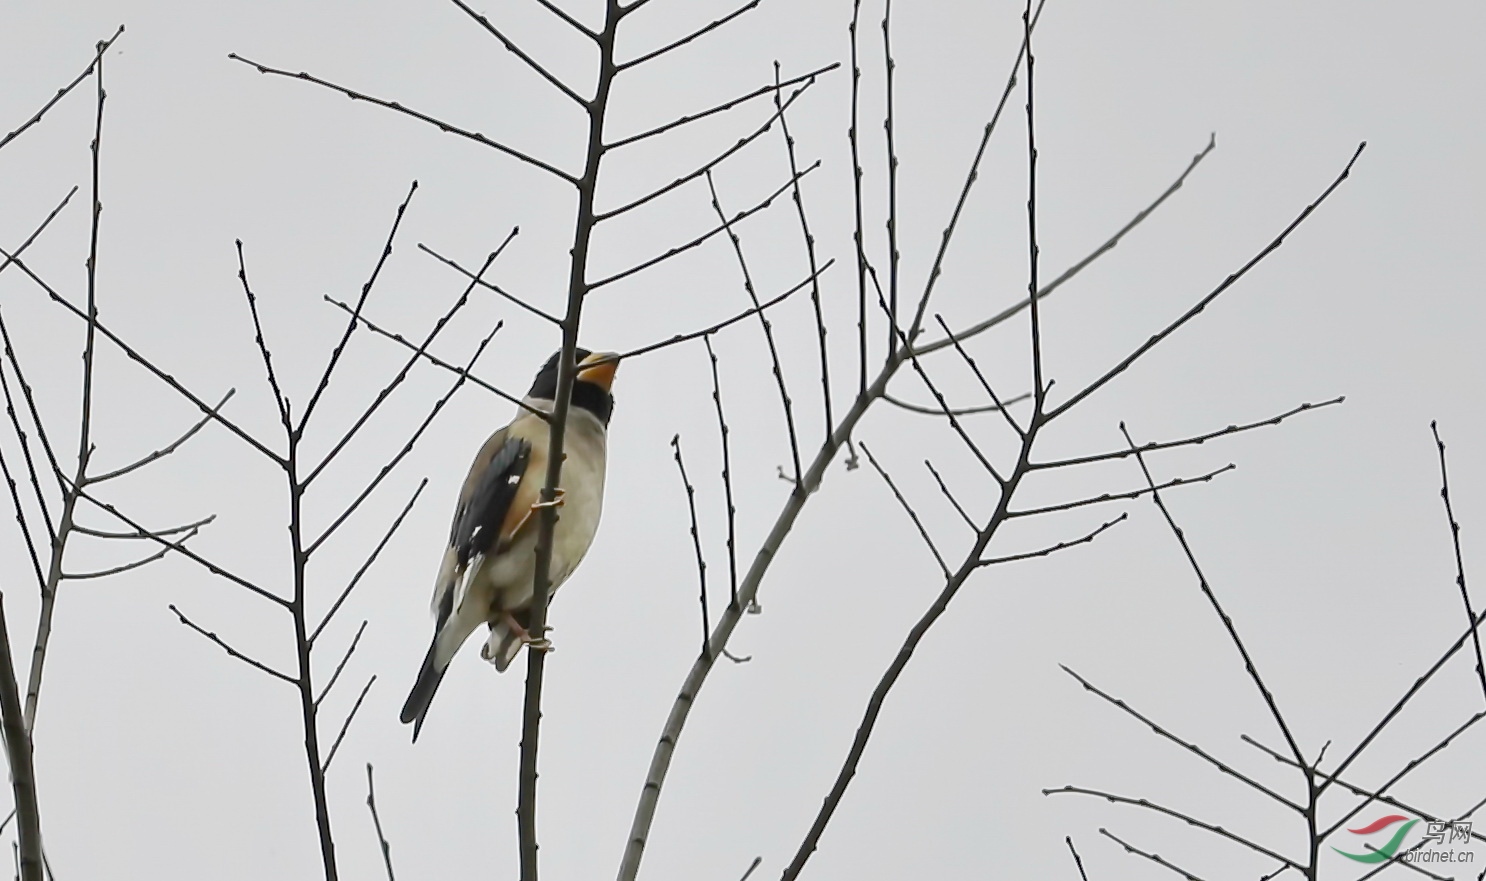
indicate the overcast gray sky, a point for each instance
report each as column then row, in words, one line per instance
column 159, row 757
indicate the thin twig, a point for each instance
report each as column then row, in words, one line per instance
column 407, row 111
column 180, row 548
column 371, row 805
column 1060, row 546
column 370, row 559
column 1121, row 496
column 1189, row 746
column 101, row 48
column 1081, row 265
column 912, row 514
column 402, row 453
column 768, row 327
column 146, row 363
column 1219, row 831
column 727, row 475
column 1212, row 598
column 490, row 285
column 959, row 509
column 516, row 50
column 815, row 301
column 167, row 449
column 273, row 381
column 345, row 659
column 340, row 347
column 719, row 108
column 407, row 368
column 1216, row 292
column 1077, row 860
column 696, row 539
column 1192, row 440
column 714, row 328
column 125, row 567
column 1465, row 596
column 1153, row 857
column 678, row 43
column 700, row 239
column 213, row 637
column 434, row 359
column 707, row 166
column 997, row 403
column 346, row 725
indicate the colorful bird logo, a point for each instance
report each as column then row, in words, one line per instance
column 1386, row 851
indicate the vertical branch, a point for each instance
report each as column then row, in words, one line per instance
column 856, row 177
column 820, row 321
column 371, row 805
column 696, row 539
column 304, row 681
column 892, row 180
column 18, row 752
column 1039, row 392
column 84, row 434
column 789, row 415
column 1465, row 597
column 727, row 476
column 526, row 803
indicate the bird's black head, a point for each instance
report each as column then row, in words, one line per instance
column 590, row 387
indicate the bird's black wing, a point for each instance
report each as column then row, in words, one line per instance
column 478, row 522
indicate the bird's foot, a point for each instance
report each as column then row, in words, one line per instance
column 558, row 495
column 537, row 643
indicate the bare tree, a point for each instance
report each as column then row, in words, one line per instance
column 893, row 338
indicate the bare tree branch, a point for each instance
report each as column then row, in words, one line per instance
column 516, row 50
column 340, row 347
column 407, row 111
column 489, row 285
column 1465, row 597
column 1149, row 805
column 696, row 539
column 719, row 108
column 370, row 559
column 345, row 658
column 727, row 478
column 165, row 450
column 768, row 328
column 1192, row 440
column 213, row 637
column 1212, row 598
column 101, row 48
column 371, row 805
column 1211, row 296
column 18, row 754
column 1120, row 496
column 1060, row 546
column 1076, row 268
column 346, row 725
column 104, row 573
column 912, row 514
column 1077, row 860
column 1189, row 746
column 692, row 243
column 705, row 167
column 694, row 35
column 1155, row 858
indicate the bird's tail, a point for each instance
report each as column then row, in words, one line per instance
column 421, row 696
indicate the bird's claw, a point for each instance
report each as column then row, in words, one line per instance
column 558, row 495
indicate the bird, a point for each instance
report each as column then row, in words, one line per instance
column 488, row 571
